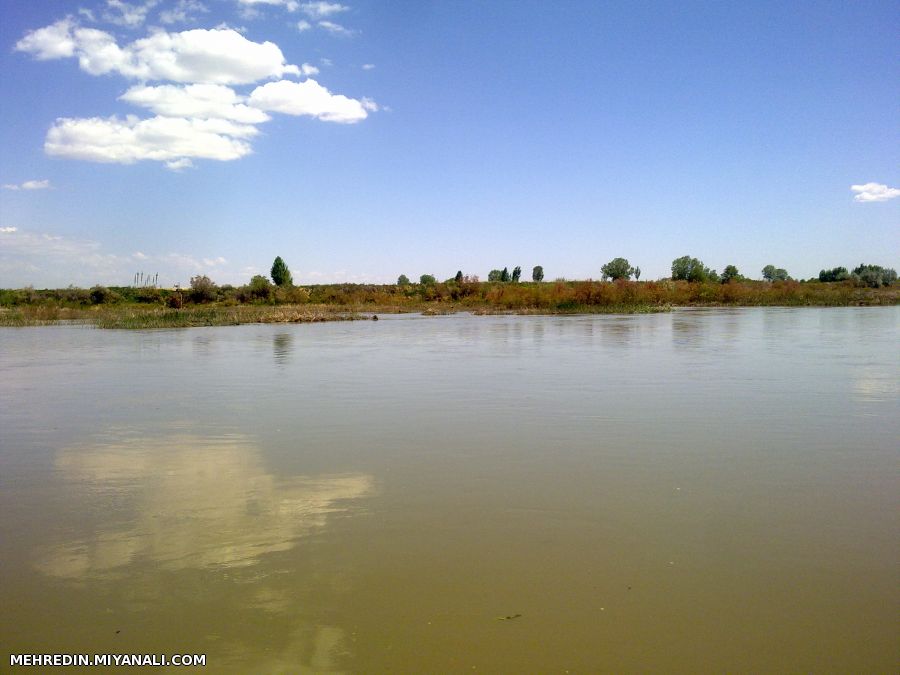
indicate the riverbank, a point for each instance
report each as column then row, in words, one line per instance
column 128, row 308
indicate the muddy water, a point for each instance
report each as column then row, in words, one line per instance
column 701, row 491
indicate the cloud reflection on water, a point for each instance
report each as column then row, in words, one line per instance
column 189, row 502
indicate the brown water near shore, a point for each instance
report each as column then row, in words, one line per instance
column 699, row 491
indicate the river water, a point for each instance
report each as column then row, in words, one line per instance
column 700, row 491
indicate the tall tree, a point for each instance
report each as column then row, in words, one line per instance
column 403, row 280
column 281, row 275
column 687, row 268
column 504, row 275
column 494, row 275
column 537, row 274
column 517, row 272
column 618, row 268
column 459, row 277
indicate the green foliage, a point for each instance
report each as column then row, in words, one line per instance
column 874, row 276
column 772, row 273
column 495, row 275
column 403, row 280
column 517, row 273
column 202, row 289
column 427, row 280
column 281, row 275
column 637, row 273
column 537, row 274
column 834, row 274
column 101, row 295
column 504, row 275
column 459, row 277
column 730, row 274
column 259, row 288
column 618, row 268
column 687, row 268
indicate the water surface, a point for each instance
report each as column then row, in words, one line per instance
column 700, row 491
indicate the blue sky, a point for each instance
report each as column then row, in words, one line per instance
column 365, row 139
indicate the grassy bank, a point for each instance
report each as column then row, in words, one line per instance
column 221, row 306
column 142, row 316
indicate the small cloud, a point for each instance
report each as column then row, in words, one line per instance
column 319, row 10
column 303, row 26
column 874, row 192
column 137, row 255
column 326, row 62
column 127, row 14
column 183, row 12
column 179, row 164
column 29, row 185
column 214, row 262
column 309, row 69
column 87, row 14
column 368, row 66
column 8, row 230
column 369, row 104
column 336, row 28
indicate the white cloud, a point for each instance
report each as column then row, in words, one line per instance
column 290, row 5
column 50, row 42
column 8, row 230
column 308, row 98
column 179, row 164
column 125, row 141
column 303, row 26
column 309, row 69
column 202, row 101
column 874, row 192
column 183, row 12
column 336, row 28
column 368, row 66
column 326, row 61
column 319, row 10
column 87, row 14
column 127, row 14
column 29, row 185
column 217, row 56
column 137, row 255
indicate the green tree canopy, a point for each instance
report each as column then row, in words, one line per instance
column 403, row 280
column 202, row 289
column 494, row 275
column 504, row 275
column 618, row 268
column 427, row 280
column 834, row 274
column 259, row 288
column 537, row 274
column 874, row 275
column 281, row 275
column 730, row 272
column 459, row 277
column 687, row 268
column 517, row 272
column 772, row 273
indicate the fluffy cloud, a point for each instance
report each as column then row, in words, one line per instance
column 319, row 10
column 8, row 230
column 29, row 185
column 309, row 98
column 303, row 26
column 874, row 192
column 165, row 139
column 204, row 101
column 51, row 42
column 216, row 56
